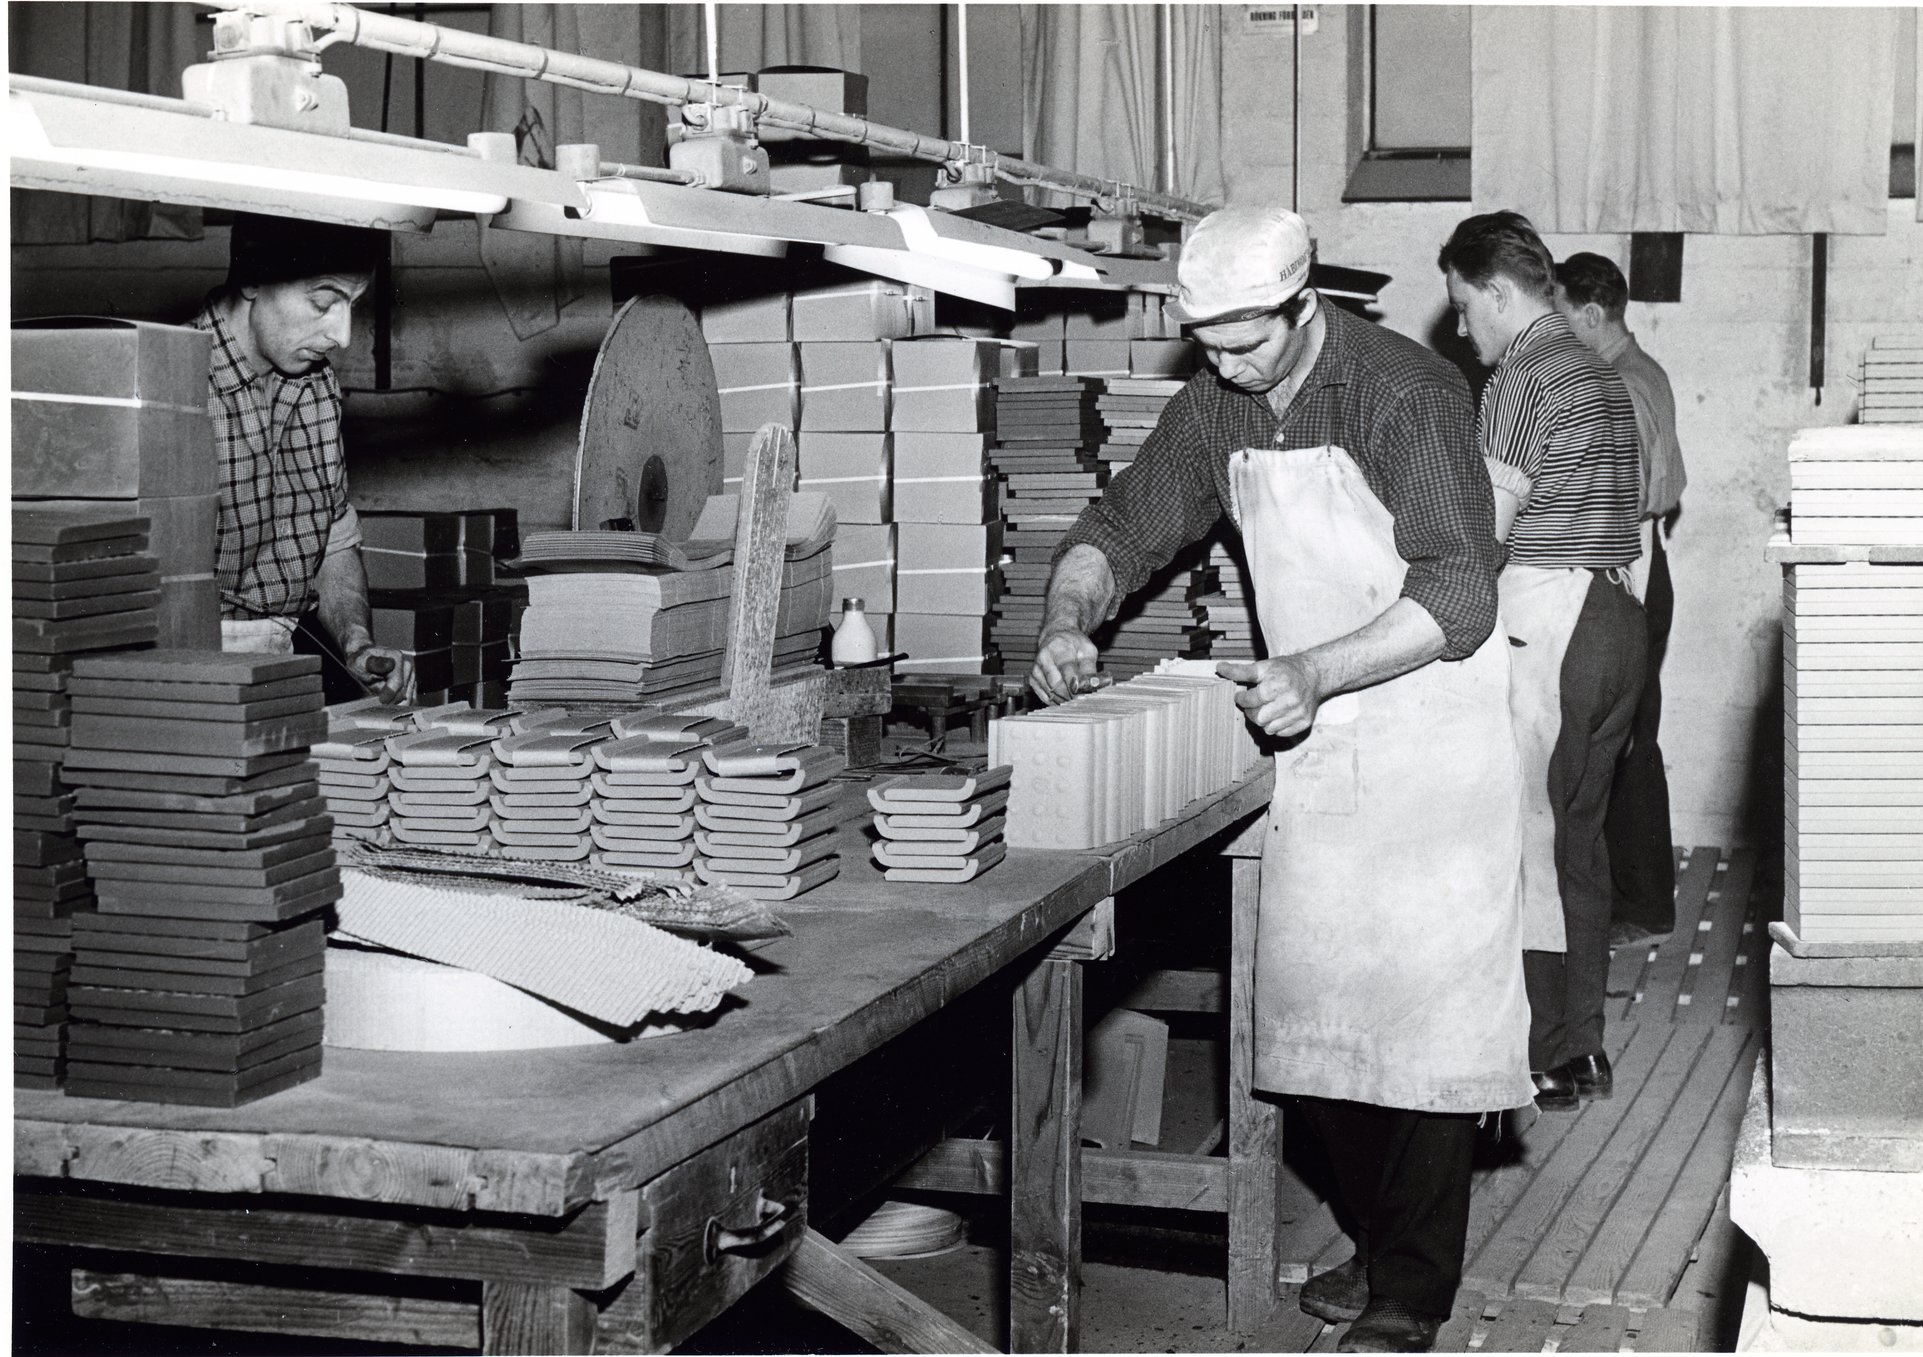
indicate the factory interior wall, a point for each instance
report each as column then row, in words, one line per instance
column 1736, row 348
column 1737, row 351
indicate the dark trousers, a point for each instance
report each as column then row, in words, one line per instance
column 1404, row 1180
column 1602, row 680
column 1642, row 862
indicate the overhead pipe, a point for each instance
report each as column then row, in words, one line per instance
column 475, row 51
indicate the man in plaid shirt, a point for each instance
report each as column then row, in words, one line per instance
column 289, row 540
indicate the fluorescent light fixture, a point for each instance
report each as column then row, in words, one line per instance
column 904, row 266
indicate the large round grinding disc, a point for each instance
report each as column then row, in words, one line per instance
column 650, row 448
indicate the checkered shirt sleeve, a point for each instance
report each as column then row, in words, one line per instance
column 283, row 480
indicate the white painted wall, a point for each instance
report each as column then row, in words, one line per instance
column 1737, row 351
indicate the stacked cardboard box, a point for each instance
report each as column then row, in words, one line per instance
column 199, row 981
column 82, row 582
column 112, row 415
column 1111, row 764
column 766, row 818
column 941, row 830
column 439, row 592
column 948, row 575
column 1893, row 380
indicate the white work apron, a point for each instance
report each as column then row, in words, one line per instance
column 1388, row 952
column 1539, row 609
column 257, row 635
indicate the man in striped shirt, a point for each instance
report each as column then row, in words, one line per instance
column 1558, row 433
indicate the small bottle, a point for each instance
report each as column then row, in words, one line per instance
column 854, row 641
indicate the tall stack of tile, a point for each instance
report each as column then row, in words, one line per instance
column 439, row 784
column 1130, row 407
column 643, row 785
column 1046, row 430
column 1165, row 619
column 82, row 582
column 199, row 981
column 1893, row 380
column 1229, row 612
column 766, row 818
column 1111, row 764
column 542, row 787
column 353, row 767
column 112, row 415
column 948, row 574
column 1853, row 676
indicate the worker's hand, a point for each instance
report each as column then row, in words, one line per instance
column 1281, row 696
column 1064, row 666
column 388, row 674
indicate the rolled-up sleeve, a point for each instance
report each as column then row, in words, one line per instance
column 1155, row 507
column 1445, row 523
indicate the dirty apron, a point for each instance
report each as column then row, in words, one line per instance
column 1539, row 609
column 257, row 635
column 1388, row 952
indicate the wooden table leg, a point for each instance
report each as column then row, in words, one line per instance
column 526, row 1317
column 1255, row 1126
column 1045, row 1162
column 825, row 1277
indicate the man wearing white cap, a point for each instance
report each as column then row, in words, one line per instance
column 1388, row 987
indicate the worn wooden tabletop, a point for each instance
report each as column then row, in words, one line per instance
column 543, row 1132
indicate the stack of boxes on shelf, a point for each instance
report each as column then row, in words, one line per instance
column 1046, row 429
column 199, row 981
column 438, row 593
column 111, row 416
column 83, row 581
column 1853, row 686
column 949, row 529
column 644, row 797
column 1893, row 380
column 766, row 818
column 941, row 830
column 1111, row 764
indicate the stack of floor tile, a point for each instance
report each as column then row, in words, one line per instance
column 1857, row 485
column 542, row 790
column 1114, row 763
column 352, row 766
column 1893, row 380
column 439, row 785
column 1229, row 612
column 941, row 829
column 1047, row 433
column 1129, row 407
column 1853, row 752
column 82, row 581
column 644, row 796
column 1163, row 620
column 199, row 981
column 766, row 818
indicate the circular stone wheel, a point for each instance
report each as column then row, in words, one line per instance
column 650, row 449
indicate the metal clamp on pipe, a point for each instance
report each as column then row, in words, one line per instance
column 717, row 142
column 966, row 181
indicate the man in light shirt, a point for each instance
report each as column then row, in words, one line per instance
column 1592, row 293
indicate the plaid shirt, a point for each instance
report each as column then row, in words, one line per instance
column 1400, row 411
column 283, row 482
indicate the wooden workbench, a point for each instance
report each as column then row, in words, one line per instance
column 536, row 1173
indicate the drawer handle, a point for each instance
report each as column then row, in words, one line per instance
column 773, row 1218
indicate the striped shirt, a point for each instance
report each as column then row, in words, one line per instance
column 1400, row 411
column 283, row 482
column 1559, row 430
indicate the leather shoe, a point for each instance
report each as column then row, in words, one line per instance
column 1555, row 1089
column 1390, row 1326
column 1589, row 1075
column 1338, row 1295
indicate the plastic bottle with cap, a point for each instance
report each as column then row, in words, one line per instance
column 854, row 641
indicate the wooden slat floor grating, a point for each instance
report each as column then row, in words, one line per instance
column 1582, row 1224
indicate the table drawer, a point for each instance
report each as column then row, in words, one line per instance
column 710, row 1229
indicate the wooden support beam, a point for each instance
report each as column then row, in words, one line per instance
column 593, row 1250
column 1045, row 1162
column 1255, row 1125
column 1196, row 991
column 525, row 1317
column 1157, row 1178
column 130, row 1298
column 826, row 1277
column 1092, row 938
